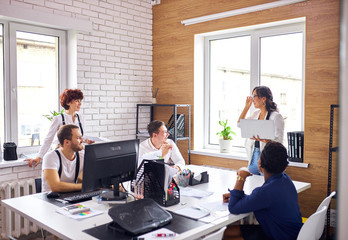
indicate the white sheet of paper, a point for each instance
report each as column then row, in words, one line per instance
column 218, row 209
column 262, row 128
column 191, row 192
column 153, row 235
column 90, row 213
column 169, row 173
column 194, row 212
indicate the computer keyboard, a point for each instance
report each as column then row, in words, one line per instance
column 82, row 196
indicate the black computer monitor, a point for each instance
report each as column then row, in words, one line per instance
column 109, row 164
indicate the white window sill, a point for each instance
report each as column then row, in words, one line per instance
column 237, row 156
column 216, row 153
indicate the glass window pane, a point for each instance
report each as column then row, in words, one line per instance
column 37, row 85
column 2, row 109
column 281, row 70
column 229, row 84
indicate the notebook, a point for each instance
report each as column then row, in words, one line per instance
column 140, row 216
column 262, row 128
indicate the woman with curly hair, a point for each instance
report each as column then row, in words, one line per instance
column 70, row 100
column 266, row 109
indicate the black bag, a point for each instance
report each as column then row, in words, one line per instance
column 10, row 151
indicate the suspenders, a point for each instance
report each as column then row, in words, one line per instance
column 77, row 169
column 78, row 119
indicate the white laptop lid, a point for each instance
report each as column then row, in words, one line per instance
column 252, row 127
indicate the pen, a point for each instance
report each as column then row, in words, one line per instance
column 164, row 235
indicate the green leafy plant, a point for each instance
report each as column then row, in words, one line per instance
column 226, row 132
column 53, row 114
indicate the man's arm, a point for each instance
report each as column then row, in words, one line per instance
column 177, row 158
column 53, row 181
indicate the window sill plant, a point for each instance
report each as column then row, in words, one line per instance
column 226, row 139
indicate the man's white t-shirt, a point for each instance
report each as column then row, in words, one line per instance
column 51, row 161
column 149, row 151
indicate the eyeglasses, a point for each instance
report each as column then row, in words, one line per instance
column 254, row 96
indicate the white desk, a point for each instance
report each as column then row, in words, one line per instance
column 44, row 215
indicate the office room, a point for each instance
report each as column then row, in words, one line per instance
column 119, row 52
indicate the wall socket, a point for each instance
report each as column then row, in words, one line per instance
column 332, row 217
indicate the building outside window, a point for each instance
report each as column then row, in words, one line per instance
column 33, row 80
column 237, row 62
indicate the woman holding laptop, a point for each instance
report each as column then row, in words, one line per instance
column 266, row 109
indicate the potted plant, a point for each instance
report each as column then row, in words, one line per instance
column 226, row 138
column 53, row 114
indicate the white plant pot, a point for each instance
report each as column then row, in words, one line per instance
column 225, row 145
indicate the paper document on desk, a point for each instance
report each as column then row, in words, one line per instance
column 158, row 234
column 193, row 212
column 169, row 173
column 192, row 192
column 79, row 216
column 217, row 210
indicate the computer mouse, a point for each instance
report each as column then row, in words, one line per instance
column 53, row 195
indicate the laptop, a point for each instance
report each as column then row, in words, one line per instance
column 262, row 128
column 140, row 216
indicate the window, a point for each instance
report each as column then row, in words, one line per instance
column 33, row 83
column 2, row 109
column 238, row 61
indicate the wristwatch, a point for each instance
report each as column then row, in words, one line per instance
column 239, row 178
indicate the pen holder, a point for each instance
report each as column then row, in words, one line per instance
column 183, row 180
column 203, row 179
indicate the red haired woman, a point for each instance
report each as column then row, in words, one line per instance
column 70, row 100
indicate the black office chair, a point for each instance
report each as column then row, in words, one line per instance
column 38, row 183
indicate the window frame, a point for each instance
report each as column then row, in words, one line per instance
column 10, row 73
column 256, row 33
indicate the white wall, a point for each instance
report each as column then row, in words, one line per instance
column 343, row 142
column 114, row 60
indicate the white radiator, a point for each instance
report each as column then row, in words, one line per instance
column 12, row 224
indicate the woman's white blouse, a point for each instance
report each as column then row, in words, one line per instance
column 51, row 136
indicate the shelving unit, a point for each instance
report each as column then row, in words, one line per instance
column 331, row 150
column 175, row 112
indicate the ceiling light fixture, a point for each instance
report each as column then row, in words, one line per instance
column 240, row 11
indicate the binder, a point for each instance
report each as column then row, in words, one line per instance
column 295, row 146
column 180, row 123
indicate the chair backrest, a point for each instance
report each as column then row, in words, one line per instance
column 314, row 224
column 326, row 203
column 38, row 183
column 215, row 235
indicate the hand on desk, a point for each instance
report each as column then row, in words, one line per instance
column 33, row 162
column 226, row 197
column 242, row 174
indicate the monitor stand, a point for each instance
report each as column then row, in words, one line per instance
column 114, row 195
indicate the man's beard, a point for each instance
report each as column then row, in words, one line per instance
column 76, row 147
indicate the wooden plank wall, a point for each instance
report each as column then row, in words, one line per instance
column 173, row 59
